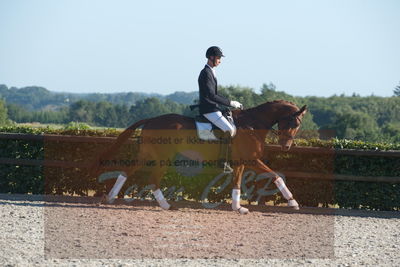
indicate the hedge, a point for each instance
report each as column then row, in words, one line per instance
column 308, row 192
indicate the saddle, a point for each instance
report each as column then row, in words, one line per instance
column 206, row 130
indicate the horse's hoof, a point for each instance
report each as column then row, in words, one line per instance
column 293, row 204
column 173, row 208
column 103, row 199
column 295, row 207
column 106, row 200
column 243, row 211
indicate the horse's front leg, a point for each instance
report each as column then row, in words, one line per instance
column 278, row 181
column 237, row 180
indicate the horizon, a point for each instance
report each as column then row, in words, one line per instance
column 188, row 92
column 305, row 48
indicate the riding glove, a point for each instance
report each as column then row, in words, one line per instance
column 236, row 104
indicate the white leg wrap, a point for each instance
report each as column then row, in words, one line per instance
column 235, row 199
column 161, row 200
column 282, row 187
column 116, row 188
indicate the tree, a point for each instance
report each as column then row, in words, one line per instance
column 309, row 129
column 3, row 112
column 392, row 131
column 151, row 107
column 355, row 125
column 82, row 111
column 396, row 90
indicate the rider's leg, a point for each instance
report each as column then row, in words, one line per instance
column 221, row 122
column 229, row 131
column 225, row 152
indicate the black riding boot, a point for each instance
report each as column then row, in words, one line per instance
column 225, row 152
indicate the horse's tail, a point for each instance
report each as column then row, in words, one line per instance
column 128, row 133
column 124, row 136
column 121, row 139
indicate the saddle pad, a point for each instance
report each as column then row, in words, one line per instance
column 204, row 131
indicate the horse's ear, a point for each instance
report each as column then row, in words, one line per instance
column 301, row 112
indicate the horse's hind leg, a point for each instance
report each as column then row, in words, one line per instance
column 155, row 179
column 156, row 174
column 154, row 182
column 120, row 181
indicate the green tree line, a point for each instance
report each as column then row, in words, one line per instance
column 39, row 98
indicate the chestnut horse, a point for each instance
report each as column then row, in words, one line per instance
column 166, row 136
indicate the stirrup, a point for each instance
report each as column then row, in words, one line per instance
column 227, row 168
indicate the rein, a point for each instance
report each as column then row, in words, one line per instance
column 245, row 121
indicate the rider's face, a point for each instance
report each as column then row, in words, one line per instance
column 214, row 61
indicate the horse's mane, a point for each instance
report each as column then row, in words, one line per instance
column 281, row 101
column 246, row 116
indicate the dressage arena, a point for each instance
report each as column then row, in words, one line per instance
column 37, row 231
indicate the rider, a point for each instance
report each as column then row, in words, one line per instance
column 209, row 98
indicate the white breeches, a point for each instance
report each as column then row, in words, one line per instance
column 221, row 122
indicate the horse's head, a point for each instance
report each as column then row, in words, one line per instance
column 288, row 126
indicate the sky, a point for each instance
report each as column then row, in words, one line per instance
column 307, row 47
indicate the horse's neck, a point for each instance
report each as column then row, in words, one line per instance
column 262, row 117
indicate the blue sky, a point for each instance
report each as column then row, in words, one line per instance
column 304, row 47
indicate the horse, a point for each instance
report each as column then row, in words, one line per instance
column 165, row 136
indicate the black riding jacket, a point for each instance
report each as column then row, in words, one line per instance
column 208, row 94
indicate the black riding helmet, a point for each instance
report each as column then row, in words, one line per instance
column 214, row 51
